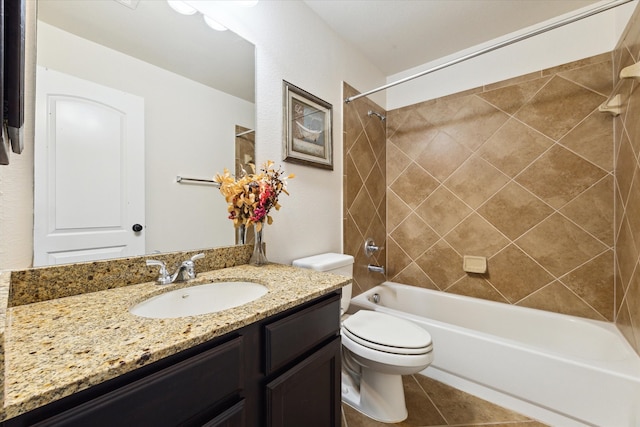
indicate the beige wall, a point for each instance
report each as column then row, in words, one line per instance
column 627, row 194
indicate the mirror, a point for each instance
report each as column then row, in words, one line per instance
column 197, row 85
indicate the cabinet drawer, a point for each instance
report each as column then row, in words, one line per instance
column 232, row 417
column 168, row 397
column 289, row 338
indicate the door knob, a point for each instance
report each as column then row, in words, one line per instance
column 137, row 228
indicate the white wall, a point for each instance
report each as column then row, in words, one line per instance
column 189, row 131
column 292, row 44
column 588, row 37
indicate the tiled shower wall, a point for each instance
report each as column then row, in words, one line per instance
column 519, row 172
column 627, row 195
column 364, row 187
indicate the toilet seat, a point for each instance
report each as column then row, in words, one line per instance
column 383, row 332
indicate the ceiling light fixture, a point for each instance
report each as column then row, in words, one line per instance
column 181, row 7
column 214, row 24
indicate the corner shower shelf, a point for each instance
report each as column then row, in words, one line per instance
column 631, row 72
column 614, row 104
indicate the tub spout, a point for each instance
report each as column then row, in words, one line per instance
column 376, row 268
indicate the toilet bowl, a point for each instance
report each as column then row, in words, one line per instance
column 377, row 349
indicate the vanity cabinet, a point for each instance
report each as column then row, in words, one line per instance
column 281, row 371
column 303, row 367
column 309, row 393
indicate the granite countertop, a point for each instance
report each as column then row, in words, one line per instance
column 55, row 348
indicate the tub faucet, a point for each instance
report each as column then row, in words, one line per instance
column 375, row 268
column 370, row 247
column 186, row 270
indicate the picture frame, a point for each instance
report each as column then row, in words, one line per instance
column 308, row 128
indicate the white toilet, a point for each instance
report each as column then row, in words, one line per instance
column 377, row 349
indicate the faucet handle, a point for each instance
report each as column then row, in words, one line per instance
column 161, row 264
column 163, row 275
column 197, row 256
column 370, row 247
column 190, row 267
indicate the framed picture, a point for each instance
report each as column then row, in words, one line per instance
column 307, row 128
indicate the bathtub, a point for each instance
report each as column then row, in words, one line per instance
column 561, row 370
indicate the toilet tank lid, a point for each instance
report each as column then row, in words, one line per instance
column 324, row 262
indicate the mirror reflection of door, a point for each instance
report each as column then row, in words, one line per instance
column 87, row 130
column 245, row 149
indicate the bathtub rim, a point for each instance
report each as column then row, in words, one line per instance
column 627, row 367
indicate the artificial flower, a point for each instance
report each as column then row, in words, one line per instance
column 251, row 197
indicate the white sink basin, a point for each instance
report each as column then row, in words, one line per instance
column 199, row 299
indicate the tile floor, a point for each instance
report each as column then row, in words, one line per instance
column 432, row 403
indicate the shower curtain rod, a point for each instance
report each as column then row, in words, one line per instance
column 549, row 27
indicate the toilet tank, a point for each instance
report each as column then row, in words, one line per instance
column 331, row 263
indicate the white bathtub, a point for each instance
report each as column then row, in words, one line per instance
column 562, row 370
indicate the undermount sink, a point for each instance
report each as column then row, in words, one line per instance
column 199, row 299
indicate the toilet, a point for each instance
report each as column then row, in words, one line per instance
column 377, row 349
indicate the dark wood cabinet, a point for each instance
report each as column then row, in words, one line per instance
column 232, row 417
column 282, row 371
column 309, row 393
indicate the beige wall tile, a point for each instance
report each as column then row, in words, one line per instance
column 442, row 210
column 514, row 147
column 442, row 264
column 415, row 236
column 475, row 236
column 414, row 276
column 591, row 139
column 593, row 210
column 559, row 176
column 442, row 155
column 593, row 282
column 514, row 210
column 474, row 122
column 626, row 166
column 559, row 245
column 564, row 101
column 414, row 185
column 475, row 181
column 596, row 77
column 515, row 275
column 474, row 285
column 556, row 297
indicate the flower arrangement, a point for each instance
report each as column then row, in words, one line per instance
column 252, row 196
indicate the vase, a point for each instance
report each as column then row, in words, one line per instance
column 258, row 257
column 241, row 234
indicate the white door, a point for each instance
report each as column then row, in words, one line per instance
column 89, row 171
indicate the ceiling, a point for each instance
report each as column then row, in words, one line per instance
column 396, row 35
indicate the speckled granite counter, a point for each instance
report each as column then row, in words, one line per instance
column 56, row 347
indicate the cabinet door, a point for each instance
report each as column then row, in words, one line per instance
column 309, row 393
column 173, row 396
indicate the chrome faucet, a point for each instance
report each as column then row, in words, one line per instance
column 375, row 268
column 370, row 247
column 186, row 270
